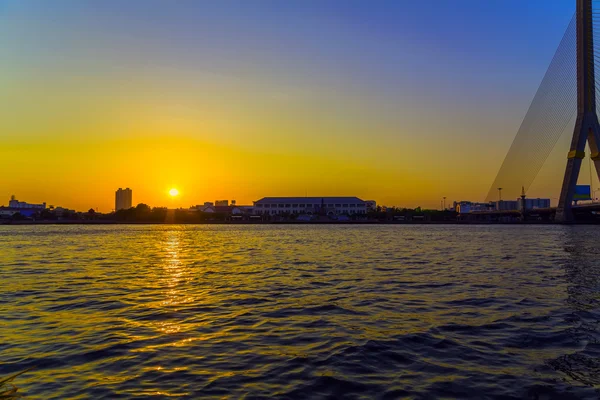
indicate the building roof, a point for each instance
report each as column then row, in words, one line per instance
column 311, row 200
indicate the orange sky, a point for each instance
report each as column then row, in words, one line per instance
column 241, row 103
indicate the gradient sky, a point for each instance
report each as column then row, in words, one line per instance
column 398, row 101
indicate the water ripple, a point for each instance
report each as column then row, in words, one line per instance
column 301, row 311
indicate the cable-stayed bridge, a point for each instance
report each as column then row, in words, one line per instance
column 566, row 97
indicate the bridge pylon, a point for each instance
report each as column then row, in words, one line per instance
column 587, row 128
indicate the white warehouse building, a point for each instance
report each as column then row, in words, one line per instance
column 313, row 205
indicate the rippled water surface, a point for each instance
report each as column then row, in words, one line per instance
column 301, row 311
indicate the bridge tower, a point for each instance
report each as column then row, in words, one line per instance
column 587, row 128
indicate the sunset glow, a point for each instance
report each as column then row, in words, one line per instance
column 299, row 199
column 202, row 89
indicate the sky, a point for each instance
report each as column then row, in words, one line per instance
column 403, row 102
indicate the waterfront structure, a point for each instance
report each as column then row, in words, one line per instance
column 123, row 199
column 312, row 205
column 532, row 204
column 219, row 207
column 29, row 210
column 60, row 211
column 8, row 212
column 506, row 205
column 245, row 209
column 371, row 205
column 14, row 203
column 208, row 205
column 233, row 210
column 464, row 207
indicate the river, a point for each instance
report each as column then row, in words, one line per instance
column 226, row 311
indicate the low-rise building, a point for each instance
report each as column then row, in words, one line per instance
column 532, row 204
column 61, row 211
column 464, row 207
column 9, row 212
column 507, row 205
column 14, row 203
column 6, row 212
column 311, row 205
column 371, row 205
column 223, row 206
column 232, row 210
column 202, row 207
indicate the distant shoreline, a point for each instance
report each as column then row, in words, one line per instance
column 19, row 223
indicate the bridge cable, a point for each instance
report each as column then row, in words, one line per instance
column 550, row 111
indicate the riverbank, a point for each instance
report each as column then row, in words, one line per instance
column 368, row 222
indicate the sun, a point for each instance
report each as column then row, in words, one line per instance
column 173, row 192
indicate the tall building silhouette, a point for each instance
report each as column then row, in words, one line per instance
column 123, row 199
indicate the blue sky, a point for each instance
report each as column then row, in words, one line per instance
column 404, row 87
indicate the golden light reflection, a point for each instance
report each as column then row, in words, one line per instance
column 173, row 268
column 169, row 327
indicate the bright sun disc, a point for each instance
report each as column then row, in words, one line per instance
column 173, row 192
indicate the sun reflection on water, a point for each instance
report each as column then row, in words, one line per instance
column 174, row 270
column 207, row 311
